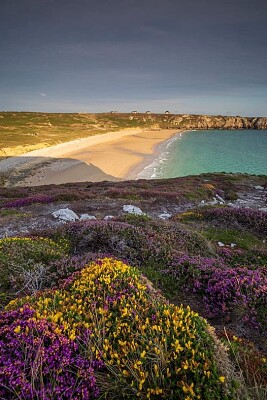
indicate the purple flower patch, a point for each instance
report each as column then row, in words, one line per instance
column 37, row 362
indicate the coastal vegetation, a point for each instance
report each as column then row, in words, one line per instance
column 135, row 306
column 26, row 131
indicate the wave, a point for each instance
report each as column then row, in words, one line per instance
column 154, row 169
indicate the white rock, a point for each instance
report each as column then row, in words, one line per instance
column 132, row 210
column 263, row 209
column 202, row 202
column 165, row 215
column 65, row 214
column 215, row 201
column 259, row 187
column 221, row 244
column 231, row 204
column 108, row 217
column 233, row 245
column 219, row 198
column 86, row 217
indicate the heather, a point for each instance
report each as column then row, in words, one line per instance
column 228, row 292
column 98, row 288
column 37, row 362
column 252, row 220
column 150, row 348
column 25, row 201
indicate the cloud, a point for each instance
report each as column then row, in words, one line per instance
column 43, row 94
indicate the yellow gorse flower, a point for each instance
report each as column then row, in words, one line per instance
column 137, row 336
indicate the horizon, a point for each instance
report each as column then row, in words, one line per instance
column 202, row 58
column 131, row 112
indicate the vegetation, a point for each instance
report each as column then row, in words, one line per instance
column 115, row 308
column 148, row 348
column 26, row 131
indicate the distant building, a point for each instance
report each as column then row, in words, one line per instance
column 134, row 112
column 148, row 112
column 167, row 112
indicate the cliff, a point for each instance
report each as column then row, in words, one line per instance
column 215, row 122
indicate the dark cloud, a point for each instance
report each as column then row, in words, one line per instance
column 189, row 55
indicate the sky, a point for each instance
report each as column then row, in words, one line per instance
column 185, row 56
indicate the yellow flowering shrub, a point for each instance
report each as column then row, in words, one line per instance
column 151, row 349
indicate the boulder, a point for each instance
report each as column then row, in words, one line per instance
column 86, row 217
column 164, row 215
column 132, row 210
column 65, row 214
column 107, row 217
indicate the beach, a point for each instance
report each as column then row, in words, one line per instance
column 111, row 156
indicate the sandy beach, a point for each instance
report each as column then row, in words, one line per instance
column 112, row 156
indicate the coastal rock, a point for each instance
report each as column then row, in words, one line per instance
column 221, row 200
column 165, row 215
column 86, row 217
column 259, row 187
column 65, row 214
column 217, row 122
column 221, row 244
column 260, row 123
column 130, row 209
column 107, row 217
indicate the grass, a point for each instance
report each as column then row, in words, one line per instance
column 178, row 260
column 243, row 240
column 148, row 347
column 26, row 131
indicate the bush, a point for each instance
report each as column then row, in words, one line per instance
column 252, row 220
column 23, row 263
column 223, row 289
column 26, row 201
column 151, row 349
column 37, row 362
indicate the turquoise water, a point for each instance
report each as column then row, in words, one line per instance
column 196, row 152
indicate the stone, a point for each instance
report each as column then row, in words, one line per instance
column 264, row 209
column 165, row 215
column 259, row 187
column 65, row 214
column 221, row 200
column 107, row 217
column 232, row 245
column 221, row 244
column 212, row 203
column 86, row 217
column 132, row 210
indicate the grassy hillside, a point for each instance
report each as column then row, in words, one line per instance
column 22, row 131
column 119, row 304
column 25, row 131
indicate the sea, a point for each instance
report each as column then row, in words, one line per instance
column 196, row 152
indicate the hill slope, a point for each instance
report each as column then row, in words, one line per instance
column 26, row 131
column 105, row 319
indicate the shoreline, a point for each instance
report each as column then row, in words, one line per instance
column 139, row 171
column 113, row 156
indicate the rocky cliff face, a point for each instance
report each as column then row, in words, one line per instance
column 216, row 122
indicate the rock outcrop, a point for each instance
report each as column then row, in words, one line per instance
column 216, row 122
